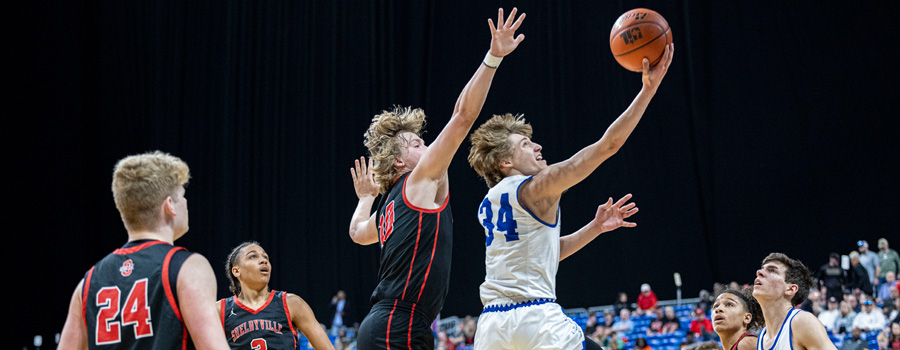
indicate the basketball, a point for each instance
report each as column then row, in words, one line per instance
column 637, row 34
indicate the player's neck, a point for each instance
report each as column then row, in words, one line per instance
column 729, row 338
column 254, row 297
column 775, row 314
column 164, row 234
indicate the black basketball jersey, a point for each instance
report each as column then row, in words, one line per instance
column 129, row 299
column 268, row 327
column 416, row 245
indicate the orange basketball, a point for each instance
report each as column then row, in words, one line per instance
column 637, row 34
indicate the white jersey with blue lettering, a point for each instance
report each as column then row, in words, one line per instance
column 522, row 252
column 783, row 338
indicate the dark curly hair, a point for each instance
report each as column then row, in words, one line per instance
column 235, row 285
column 750, row 305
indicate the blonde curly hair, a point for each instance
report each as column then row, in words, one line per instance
column 490, row 145
column 384, row 144
column 142, row 182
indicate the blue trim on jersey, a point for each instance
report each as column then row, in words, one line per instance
column 784, row 323
column 529, row 211
column 501, row 308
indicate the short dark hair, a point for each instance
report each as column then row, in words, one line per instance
column 796, row 273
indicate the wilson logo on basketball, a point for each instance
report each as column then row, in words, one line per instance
column 127, row 268
column 630, row 36
column 386, row 224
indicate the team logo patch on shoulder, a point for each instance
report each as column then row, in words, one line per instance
column 127, row 267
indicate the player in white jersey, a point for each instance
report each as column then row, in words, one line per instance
column 782, row 283
column 521, row 218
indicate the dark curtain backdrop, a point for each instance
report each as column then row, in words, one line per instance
column 775, row 130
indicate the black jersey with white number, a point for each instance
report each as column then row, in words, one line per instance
column 416, row 245
column 268, row 327
column 129, row 298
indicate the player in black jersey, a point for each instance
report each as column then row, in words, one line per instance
column 413, row 223
column 257, row 317
column 149, row 293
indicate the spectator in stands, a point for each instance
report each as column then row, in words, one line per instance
column 621, row 303
column 894, row 341
column 613, row 342
column 689, row 341
column 736, row 313
column 883, row 343
column 855, row 342
column 869, row 260
column 671, row 323
column 856, row 280
column 656, row 325
column 591, row 325
column 853, row 302
column 888, row 258
column 338, row 311
column 832, row 277
column 701, row 326
column 869, row 319
column 641, row 344
column 845, row 320
column 646, row 301
column 829, row 316
column 342, row 341
column 706, row 300
column 608, row 319
column 625, row 324
column 884, row 289
column 444, row 342
column 894, row 316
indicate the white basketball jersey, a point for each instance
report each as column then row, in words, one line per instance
column 783, row 338
column 522, row 252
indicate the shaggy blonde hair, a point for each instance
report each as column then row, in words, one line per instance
column 490, row 145
column 384, row 144
column 142, row 182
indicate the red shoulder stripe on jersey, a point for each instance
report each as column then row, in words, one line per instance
column 387, row 336
column 433, row 250
column 415, row 251
column 85, row 287
column 222, row 311
column 413, row 207
column 245, row 307
column 184, row 337
column 167, row 286
column 287, row 312
column 136, row 248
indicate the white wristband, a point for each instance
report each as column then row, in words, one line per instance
column 492, row 61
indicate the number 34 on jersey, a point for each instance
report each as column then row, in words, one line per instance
column 503, row 222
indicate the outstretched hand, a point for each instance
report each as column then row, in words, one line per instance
column 611, row 216
column 652, row 77
column 503, row 36
column 363, row 180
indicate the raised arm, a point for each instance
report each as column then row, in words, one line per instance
column 362, row 225
column 197, row 302
column 436, row 159
column 305, row 321
column 609, row 217
column 74, row 333
column 552, row 181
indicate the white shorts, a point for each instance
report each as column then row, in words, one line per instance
column 532, row 325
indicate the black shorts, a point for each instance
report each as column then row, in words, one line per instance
column 394, row 324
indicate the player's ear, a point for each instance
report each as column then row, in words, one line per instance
column 169, row 206
column 506, row 163
column 398, row 163
column 792, row 289
column 235, row 271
